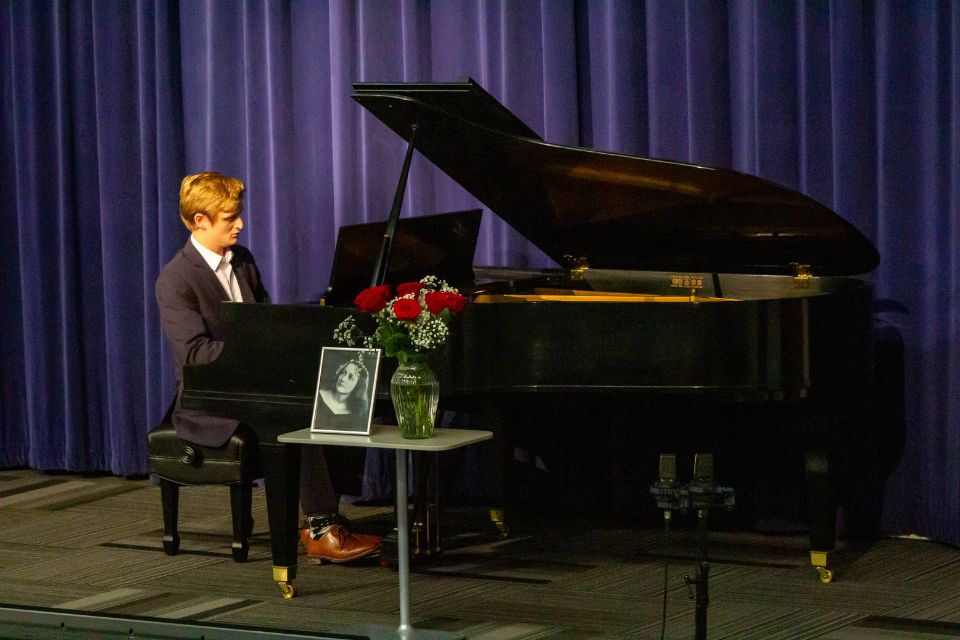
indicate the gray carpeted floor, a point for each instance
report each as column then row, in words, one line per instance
column 92, row 545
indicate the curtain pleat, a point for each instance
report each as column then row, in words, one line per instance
column 916, row 70
column 107, row 105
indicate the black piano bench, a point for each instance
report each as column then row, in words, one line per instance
column 177, row 462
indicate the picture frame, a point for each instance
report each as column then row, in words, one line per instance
column 346, row 386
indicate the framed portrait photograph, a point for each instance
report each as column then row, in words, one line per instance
column 345, row 390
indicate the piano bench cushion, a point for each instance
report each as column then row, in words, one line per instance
column 176, row 460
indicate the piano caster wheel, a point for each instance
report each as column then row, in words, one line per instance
column 820, row 561
column 499, row 521
column 287, row 590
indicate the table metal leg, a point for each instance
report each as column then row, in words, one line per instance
column 403, row 545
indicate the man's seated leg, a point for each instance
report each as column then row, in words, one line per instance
column 327, row 535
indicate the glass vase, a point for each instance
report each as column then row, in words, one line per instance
column 415, row 391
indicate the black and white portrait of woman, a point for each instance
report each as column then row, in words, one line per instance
column 345, row 390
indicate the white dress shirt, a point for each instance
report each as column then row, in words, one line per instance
column 222, row 269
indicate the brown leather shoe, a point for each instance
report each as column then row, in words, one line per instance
column 339, row 545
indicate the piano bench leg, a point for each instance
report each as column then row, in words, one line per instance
column 821, row 562
column 241, row 499
column 170, row 498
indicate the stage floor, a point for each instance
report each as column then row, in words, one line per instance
column 92, row 544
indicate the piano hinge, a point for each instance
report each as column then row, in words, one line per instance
column 801, row 275
column 689, row 281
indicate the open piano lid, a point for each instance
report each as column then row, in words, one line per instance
column 614, row 211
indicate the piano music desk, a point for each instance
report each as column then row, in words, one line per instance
column 388, row 437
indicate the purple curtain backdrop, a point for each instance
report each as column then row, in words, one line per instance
column 105, row 106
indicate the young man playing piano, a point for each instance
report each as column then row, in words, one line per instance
column 212, row 268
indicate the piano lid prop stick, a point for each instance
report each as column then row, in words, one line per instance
column 383, row 259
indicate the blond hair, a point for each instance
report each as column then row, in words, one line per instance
column 209, row 193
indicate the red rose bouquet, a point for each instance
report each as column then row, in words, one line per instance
column 415, row 321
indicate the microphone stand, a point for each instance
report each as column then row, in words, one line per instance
column 700, row 494
column 701, row 500
column 669, row 496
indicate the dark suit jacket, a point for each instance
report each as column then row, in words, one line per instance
column 190, row 296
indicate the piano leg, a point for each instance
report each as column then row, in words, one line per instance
column 281, row 469
column 498, row 453
column 821, row 494
column 498, row 465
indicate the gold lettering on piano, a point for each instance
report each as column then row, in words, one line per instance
column 687, row 281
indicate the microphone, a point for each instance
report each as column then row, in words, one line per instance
column 703, row 468
column 668, row 494
column 704, row 494
column 668, row 469
column 701, row 486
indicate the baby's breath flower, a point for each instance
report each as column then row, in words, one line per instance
column 347, row 332
column 429, row 334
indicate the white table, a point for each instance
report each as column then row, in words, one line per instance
column 388, row 437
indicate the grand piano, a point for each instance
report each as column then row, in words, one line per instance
column 678, row 286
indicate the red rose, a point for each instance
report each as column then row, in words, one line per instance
column 373, row 299
column 437, row 301
column 406, row 309
column 409, row 287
